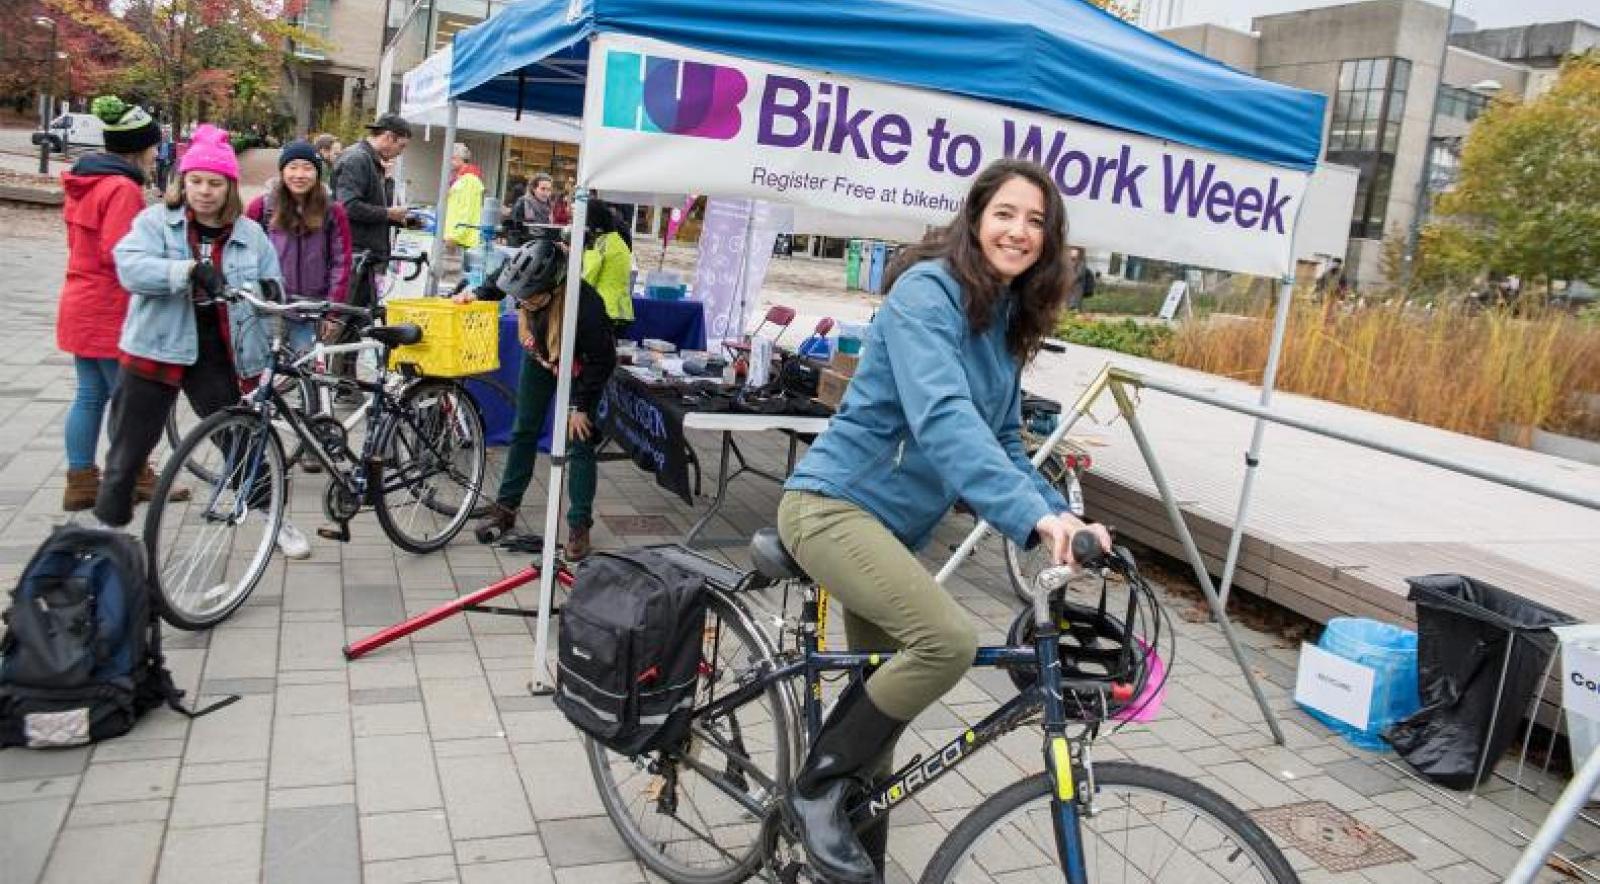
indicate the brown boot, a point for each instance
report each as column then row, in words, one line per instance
column 578, row 545
column 82, row 486
column 144, row 487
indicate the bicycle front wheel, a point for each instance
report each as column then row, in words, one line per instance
column 694, row 813
column 1148, row 826
column 433, row 466
column 210, row 551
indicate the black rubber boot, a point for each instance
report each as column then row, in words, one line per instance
column 851, row 741
column 875, row 841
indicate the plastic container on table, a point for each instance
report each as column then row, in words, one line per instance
column 1391, row 653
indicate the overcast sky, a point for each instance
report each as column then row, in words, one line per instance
column 1487, row 13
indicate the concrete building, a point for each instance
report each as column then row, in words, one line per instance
column 341, row 73
column 1392, row 113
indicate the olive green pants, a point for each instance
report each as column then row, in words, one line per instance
column 891, row 601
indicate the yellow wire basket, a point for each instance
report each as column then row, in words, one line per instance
column 458, row 340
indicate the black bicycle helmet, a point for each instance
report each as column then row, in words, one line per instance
column 536, row 268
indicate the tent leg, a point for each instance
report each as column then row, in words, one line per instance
column 558, row 441
column 1252, row 459
column 1079, row 409
column 1130, row 414
column 437, row 263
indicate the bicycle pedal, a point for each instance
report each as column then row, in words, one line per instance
column 340, row 533
column 486, row 534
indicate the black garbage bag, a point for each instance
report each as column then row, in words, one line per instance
column 1463, row 626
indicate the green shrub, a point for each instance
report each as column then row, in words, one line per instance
column 1125, row 336
column 1125, row 298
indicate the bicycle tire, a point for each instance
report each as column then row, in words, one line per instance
column 222, row 597
column 177, row 427
column 953, row 860
column 490, row 394
column 655, row 849
column 463, row 429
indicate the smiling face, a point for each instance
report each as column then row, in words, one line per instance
column 206, row 193
column 1011, row 230
column 300, row 176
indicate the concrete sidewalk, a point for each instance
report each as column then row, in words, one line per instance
column 430, row 761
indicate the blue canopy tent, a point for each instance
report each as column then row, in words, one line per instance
column 1060, row 58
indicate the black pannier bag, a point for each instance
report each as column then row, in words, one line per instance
column 1471, row 635
column 629, row 649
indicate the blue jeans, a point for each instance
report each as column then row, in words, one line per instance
column 97, row 379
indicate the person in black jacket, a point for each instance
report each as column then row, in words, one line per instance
column 535, row 277
column 358, row 184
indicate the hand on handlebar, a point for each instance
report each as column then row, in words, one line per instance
column 1057, row 531
column 208, row 279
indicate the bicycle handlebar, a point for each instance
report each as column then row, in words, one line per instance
column 294, row 309
column 364, row 256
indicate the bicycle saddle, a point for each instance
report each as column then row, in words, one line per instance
column 771, row 559
column 395, row 335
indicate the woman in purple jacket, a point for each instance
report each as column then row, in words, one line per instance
column 310, row 233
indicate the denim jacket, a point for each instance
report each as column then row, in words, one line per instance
column 934, row 413
column 153, row 263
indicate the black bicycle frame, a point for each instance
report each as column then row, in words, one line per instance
column 1063, row 761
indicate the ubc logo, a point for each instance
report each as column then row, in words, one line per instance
column 649, row 94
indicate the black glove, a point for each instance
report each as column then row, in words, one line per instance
column 208, row 279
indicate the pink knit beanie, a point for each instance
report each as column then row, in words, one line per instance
column 209, row 151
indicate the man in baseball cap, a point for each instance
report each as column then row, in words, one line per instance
column 358, row 185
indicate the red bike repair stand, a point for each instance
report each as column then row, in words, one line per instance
column 524, row 543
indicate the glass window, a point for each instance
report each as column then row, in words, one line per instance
column 1402, row 75
column 1368, row 110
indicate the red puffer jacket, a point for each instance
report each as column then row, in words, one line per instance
column 104, row 193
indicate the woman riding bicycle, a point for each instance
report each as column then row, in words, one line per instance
column 535, row 277
column 176, row 261
column 932, row 415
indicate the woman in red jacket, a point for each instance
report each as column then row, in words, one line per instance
column 104, row 191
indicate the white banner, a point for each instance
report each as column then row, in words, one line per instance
column 426, row 86
column 1580, row 668
column 659, row 116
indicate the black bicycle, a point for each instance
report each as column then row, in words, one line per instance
column 341, row 328
column 420, row 466
column 708, row 810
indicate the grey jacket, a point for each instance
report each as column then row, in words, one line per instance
column 358, row 186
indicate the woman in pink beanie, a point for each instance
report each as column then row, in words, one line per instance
column 176, row 261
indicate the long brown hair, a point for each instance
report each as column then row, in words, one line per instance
column 298, row 215
column 1041, row 290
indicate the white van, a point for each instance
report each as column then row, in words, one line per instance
column 74, row 130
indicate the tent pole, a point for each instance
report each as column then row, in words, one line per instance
column 1252, row 458
column 558, row 439
column 439, row 220
column 1157, row 475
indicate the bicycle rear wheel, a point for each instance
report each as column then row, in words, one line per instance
column 694, row 814
column 493, row 398
column 433, row 466
column 1149, row 826
column 209, row 552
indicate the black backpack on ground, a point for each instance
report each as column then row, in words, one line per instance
column 81, row 658
column 629, row 649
